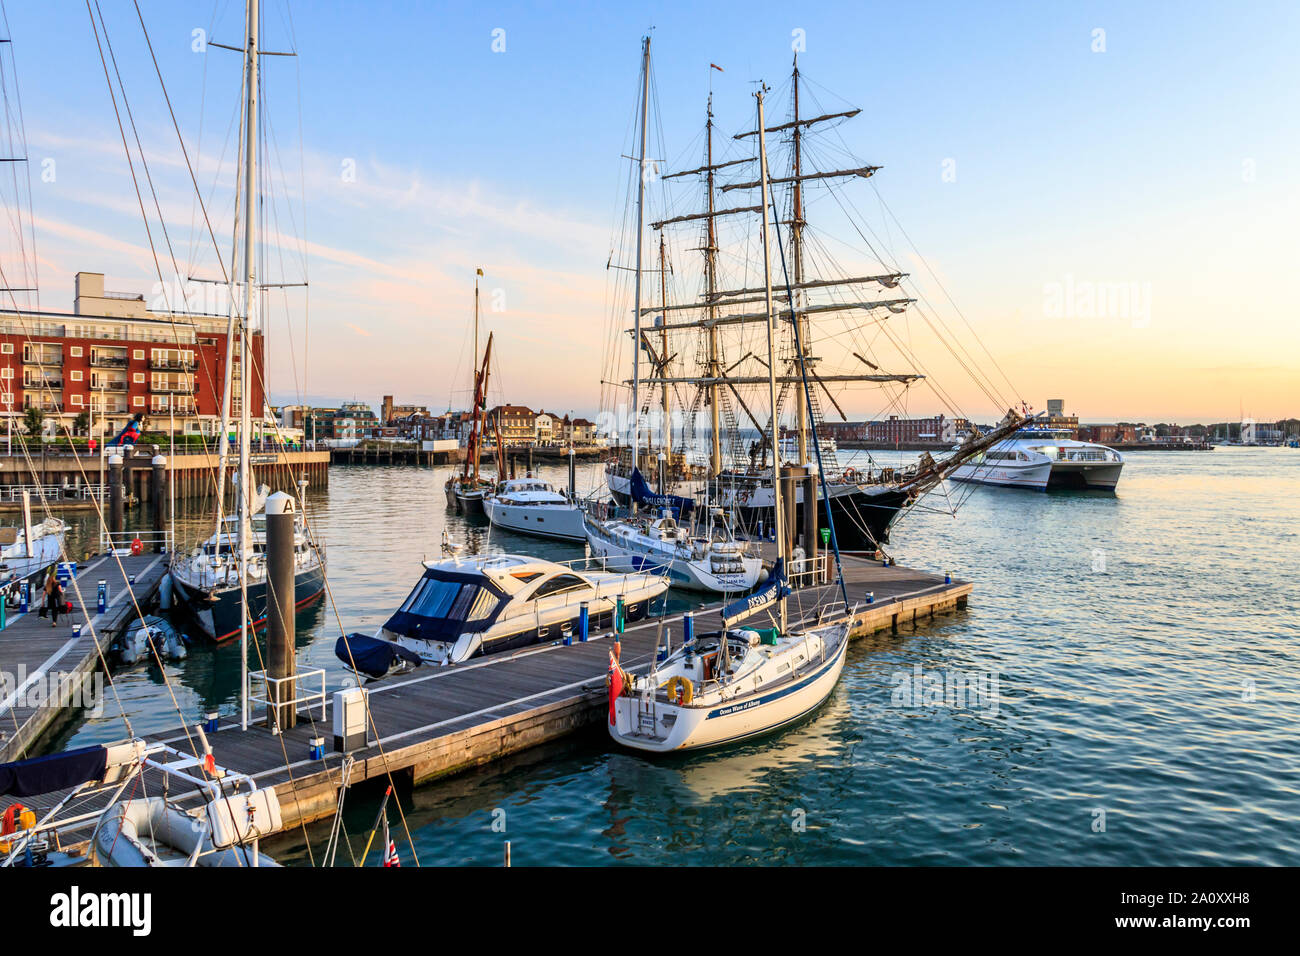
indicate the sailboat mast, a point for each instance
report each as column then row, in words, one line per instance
column 778, row 518
column 640, row 232
column 666, row 432
column 796, row 256
column 477, row 375
column 711, row 285
column 245, row 378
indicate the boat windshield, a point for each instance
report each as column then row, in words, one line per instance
column 444, row 605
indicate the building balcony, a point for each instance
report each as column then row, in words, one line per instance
column 54, row 359
column 109, row 386
column 43, row 383
column 51, row 408
column 109, row 408
column 171, row 365
column 108, row 361
column 173, row 388
column 162, row 407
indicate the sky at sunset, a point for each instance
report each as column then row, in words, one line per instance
column 1112, row 212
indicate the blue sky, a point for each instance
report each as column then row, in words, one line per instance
column 1166, row 163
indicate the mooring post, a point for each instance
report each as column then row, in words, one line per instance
column 810, row 530
column 663, row 460
column 573, row 483
column 114, row 495
column 158, row 498
column 281, row 713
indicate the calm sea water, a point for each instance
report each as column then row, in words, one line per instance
column 1144, row 644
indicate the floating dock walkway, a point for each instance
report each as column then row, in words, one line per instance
column 434, row 722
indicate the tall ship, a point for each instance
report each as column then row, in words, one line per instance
column 695, row 361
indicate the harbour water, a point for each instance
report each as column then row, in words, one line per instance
column 1120, row 691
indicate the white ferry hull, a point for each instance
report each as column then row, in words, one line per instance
column 1070, row 474
column 1006, row 474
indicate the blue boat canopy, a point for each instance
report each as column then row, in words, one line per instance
column 445, row 604
column 26, row 778
column 642, row 495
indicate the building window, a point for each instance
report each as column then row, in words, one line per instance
column 6, row 398
column 77, row 401
column 74, row 351
column 76, row 375
column 7, row 348
column 138, row 354
column 138, row 401
column 138, row 378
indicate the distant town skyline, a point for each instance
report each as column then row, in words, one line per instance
column 1117, row 233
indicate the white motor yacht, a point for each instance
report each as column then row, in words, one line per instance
column 462, row 609
column 533, row 506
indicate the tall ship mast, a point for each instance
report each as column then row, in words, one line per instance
column 719, row 327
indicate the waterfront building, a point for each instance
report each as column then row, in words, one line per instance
column 517, row 423
column 113, row 357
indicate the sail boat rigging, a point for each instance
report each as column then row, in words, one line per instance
column 465, row 492
column 739, row 682
column 223, row 583
column 710, row 559
column 863, row 505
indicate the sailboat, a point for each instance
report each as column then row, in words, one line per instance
column 27, row 551
column 739, row 682
column 224, row 581
column 466, row 491
column 713, row 561
column 862, row 504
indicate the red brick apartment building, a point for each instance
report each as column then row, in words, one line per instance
column 112, row 357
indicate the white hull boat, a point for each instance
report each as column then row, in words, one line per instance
column 705, row 696
column 692, row 562
column 532, row 506
column 464, row 609
column 1041, row 458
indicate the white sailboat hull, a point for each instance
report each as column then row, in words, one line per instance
column 661, row 727
column 697, row 574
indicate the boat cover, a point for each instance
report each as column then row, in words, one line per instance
column 25, row 778
column 768, row 594
column 641, row 493
column 371, row 655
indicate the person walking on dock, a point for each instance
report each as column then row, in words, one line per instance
column 53, row 597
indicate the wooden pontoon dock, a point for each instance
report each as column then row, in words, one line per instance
column 434, row 722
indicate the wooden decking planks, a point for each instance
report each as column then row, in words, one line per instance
column 32, row 652
column 438, row 721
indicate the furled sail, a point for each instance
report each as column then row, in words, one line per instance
column 641, row 493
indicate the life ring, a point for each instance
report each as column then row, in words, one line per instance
column 16, row 817
column 850, row 474
column 12, row 815
column 137, row 546
column 680, row 690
